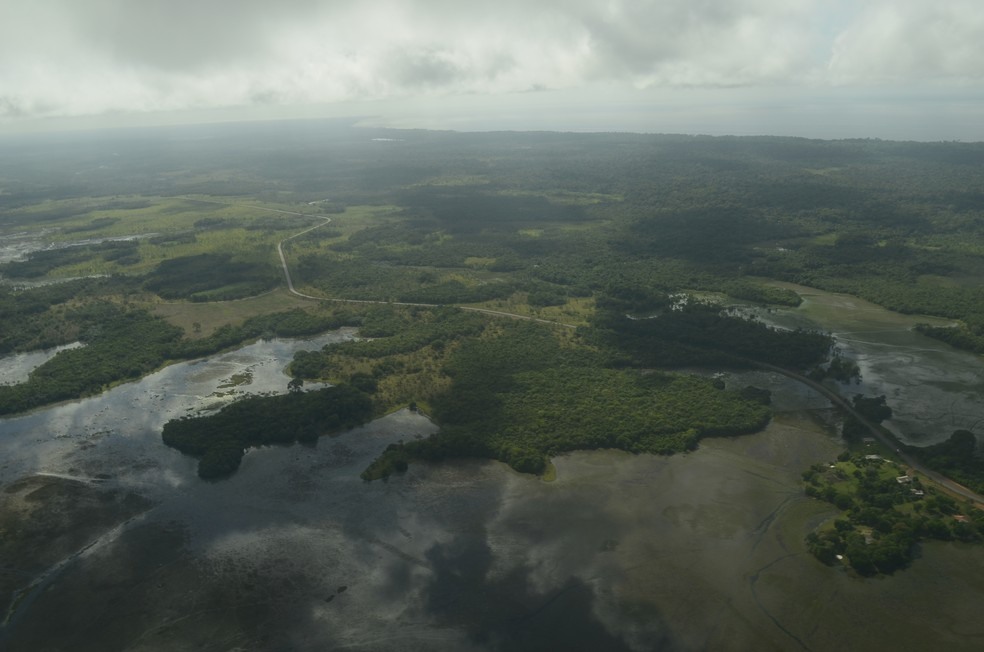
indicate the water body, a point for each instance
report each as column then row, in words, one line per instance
column 17, row 367
column 690, row 552
column 932, row 388
column 18, row 246
column 118, row 432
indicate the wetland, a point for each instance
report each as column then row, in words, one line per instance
column 696, row 551
column 110, row 540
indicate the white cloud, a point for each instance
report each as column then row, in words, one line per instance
column 893, row 41
column 77, row 57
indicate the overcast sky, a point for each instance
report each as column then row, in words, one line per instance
column 822, row 68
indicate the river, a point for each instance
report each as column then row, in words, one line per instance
column 689, row 552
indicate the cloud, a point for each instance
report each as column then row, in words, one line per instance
column 77, row 57
column 702, row 43
column 916, row 40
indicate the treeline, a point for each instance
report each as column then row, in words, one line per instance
column 702, row 334
column 119, row 345
column 959, row 458
column 874, row 409
column 40, row 318
column 123, row 344
column 201, row 277
column 961, row 337
column 211, row 277
column 475, row 209
column 289, row 323
column 521, row 396
column 930, row 280
column 393, row 331
column 220, row 440
column 40, row 263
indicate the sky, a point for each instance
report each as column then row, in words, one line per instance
column 900, row 69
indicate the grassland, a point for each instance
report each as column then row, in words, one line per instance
column 199, row 320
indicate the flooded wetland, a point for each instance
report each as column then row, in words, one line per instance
column 110, row 540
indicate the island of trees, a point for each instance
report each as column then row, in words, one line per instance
column 220, row 440
column 885, row 513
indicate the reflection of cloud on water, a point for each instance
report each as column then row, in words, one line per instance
column 125, row 422
column 505, row 610
column 569, row 547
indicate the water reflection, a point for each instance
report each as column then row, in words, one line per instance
column 621, row 552
column 932, row 388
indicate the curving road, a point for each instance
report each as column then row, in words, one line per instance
column 834, row 397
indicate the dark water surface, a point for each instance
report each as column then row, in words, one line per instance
column 932, row 388
column 692, row 552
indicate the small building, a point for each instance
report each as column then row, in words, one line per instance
column 873, row 458
column 903, row 479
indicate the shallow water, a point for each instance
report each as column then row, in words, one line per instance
column 118, row 432
column 932, row 388
column 17, row 367
column 621, row 552
column 16, row 246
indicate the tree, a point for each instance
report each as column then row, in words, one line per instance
column 295, row 385
column 873, row 409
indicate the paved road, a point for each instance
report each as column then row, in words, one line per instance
column 879, row 434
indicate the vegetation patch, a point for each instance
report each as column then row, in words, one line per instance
column 703, row 334
column 125, row 343
column 885, row 514
column 120, row 345
column 220, row 440
column 404, row 356
column 962, row 336
column 237, row 380
column 210, row 277
column 521, row 394
column 959, row 457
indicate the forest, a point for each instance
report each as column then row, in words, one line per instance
column 521, row 394
column 633, row 246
